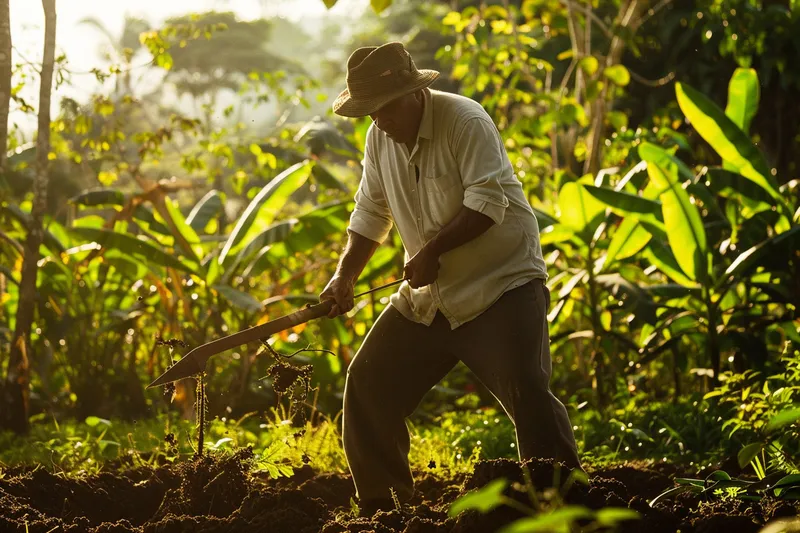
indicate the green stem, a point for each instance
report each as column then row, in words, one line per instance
column 201, row 414
column 713, row 339
column 511, row 502
column 597, row 354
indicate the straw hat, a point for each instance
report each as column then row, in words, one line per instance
column 376, row 75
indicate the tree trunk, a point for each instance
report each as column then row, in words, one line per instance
column 5, row 97
column 5, row 79
column 18, row 376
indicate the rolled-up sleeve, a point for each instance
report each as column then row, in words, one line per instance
column 371, row 217
column 483, row 163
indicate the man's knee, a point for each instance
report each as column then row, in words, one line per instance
column 364, row 376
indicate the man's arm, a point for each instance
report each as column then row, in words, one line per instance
column 357, row 253
column 370, row 223
column 482, row 162
column 423, row 268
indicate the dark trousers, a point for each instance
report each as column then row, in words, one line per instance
column 507, row 347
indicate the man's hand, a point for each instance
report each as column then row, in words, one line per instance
column 422, row 269
column 340, row 290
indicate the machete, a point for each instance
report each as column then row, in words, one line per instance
column 195, row 361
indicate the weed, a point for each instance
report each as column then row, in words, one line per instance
column 201, row 413
column 547, row 512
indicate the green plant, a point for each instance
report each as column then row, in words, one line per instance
column 547, row 512
column 718, row 298
column 720, row 485
column 764, row 412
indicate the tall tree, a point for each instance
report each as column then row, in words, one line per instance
column 5, row 79
column 18, row 376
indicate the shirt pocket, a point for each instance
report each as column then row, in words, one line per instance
column 440, row 181
column 443, row 196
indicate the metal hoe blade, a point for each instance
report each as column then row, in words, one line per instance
column 195, row 361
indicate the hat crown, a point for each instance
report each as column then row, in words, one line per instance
column 376, row 75
column 372, row 71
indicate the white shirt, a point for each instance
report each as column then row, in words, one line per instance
column 461, row 160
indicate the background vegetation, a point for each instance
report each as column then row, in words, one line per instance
column 655, row 140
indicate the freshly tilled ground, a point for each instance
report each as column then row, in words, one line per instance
column 219, row 494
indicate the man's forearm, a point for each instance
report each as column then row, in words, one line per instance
column 356, row 254
column 467, row 225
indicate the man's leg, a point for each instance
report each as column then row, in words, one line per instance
column 508, row 349
column 397, row 364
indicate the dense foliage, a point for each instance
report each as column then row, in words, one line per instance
column 668, row 210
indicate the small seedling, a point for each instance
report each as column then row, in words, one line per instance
column 201, row 413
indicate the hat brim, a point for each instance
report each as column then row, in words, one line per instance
column 347, row 106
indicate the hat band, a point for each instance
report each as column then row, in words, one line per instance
column 384, row 83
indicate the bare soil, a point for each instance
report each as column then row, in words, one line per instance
column 220, row 494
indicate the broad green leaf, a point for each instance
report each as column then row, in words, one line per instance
column 610, row 516
column 618, row 74
column 555, row 234
column 483, row 500
column 99, row 196
column 624, row 203
column 543, row 219
column 652, row 153
column 784, row 418
column 559, row 520
column 690, row 481
column 276, row 233
column 748, row 453
column 240, row 299
column 577, row 207
column 143, row 214
column 126, row 264
column 719, row 475
column 49, row 241
column 318, row 225
column 786, row 482
column 129, row 244
column 789, row 240
column 214, row 272
column 298, row 299
column 685, row 230
column 664, row 260
column 187, row 234
column 384, row 258
column 743, row 96
column 629, row 238
column 207, row 208
column 326, row 178
column 730, row 142
column 674, row 491
column 753, row 198
column 265, row 205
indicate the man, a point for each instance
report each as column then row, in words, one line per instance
column 435, row 165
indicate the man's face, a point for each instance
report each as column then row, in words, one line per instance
column 400, row 118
